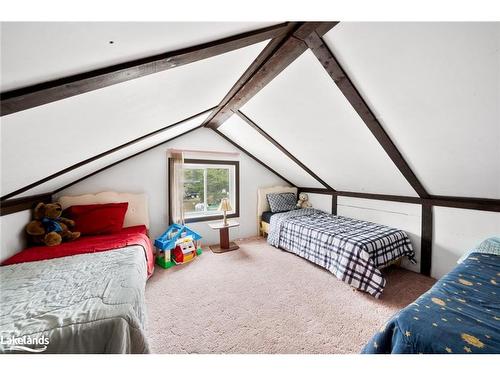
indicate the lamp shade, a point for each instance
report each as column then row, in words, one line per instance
column 225, row 205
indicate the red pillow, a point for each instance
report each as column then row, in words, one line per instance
column 95, row 219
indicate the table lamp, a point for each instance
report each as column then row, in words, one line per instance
column 225, row 206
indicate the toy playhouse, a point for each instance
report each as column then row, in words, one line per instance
column 177, row 245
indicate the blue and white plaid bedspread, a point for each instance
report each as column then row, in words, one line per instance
column 353, row 250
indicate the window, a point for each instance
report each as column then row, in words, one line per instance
column 206, row 182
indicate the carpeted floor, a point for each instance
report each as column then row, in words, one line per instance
column 259, row 299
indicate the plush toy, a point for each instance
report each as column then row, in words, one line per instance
column 303, row 201
column 48, row 227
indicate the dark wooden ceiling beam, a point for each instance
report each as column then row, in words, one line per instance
column 47, row 92
column 280, row 53
column 24, row 203
column 481, row 204
column 99, row 156
column 282, row 149
column 268, row 50
column 345, row 85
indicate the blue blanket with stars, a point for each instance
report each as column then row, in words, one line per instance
column 459, row 314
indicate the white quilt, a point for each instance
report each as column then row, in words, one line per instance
column 89, row 303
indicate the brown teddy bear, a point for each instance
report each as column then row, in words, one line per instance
column 48, row 227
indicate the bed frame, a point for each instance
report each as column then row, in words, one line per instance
column 263, row 205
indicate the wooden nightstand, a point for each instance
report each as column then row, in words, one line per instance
column 224, row 245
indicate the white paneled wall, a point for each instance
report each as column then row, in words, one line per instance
column 435, row 87
column 405, row 216
column 457, row 231
column 322, row 202
column 304, row 110
column 85, row 125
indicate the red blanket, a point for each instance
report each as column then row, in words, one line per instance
column 90, row 244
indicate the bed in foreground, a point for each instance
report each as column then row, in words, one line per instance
column 459, row 314
column 85, row 296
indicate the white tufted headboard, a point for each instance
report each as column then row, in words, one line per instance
column 137, row 212
column 263, row 205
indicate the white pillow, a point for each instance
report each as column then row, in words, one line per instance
column 489, row 246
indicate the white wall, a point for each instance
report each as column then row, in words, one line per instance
column 12, row 237
column 456, row 231
column 148, row 173
column 405, row 216
column 321, row 201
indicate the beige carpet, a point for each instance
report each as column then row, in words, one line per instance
column 259, row 299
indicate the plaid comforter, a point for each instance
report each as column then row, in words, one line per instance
column 353, row 250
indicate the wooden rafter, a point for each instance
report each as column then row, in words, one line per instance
column 47, row 92
column 280, row 53
column 99, row 156
column 24, row 203
column 252, row 156
column 345, row 85
column 268, row 50
column 282, row 149
column 125, row 159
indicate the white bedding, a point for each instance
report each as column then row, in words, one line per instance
column 89, row 303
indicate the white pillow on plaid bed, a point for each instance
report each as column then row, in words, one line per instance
column 281, row 202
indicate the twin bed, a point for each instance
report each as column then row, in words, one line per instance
column 85, row 296
column 353, row 250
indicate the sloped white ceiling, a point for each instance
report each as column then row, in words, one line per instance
column 45, row 139
column 91, row 167
column 34, row 52
column 304, row 110
column 251, row 140
column 435, row 87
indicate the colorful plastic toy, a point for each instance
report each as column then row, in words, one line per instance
column 177, row 245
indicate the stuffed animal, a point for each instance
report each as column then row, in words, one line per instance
column 303, row 201
column 48, row 227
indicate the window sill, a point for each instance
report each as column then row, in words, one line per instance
column 209, row 218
